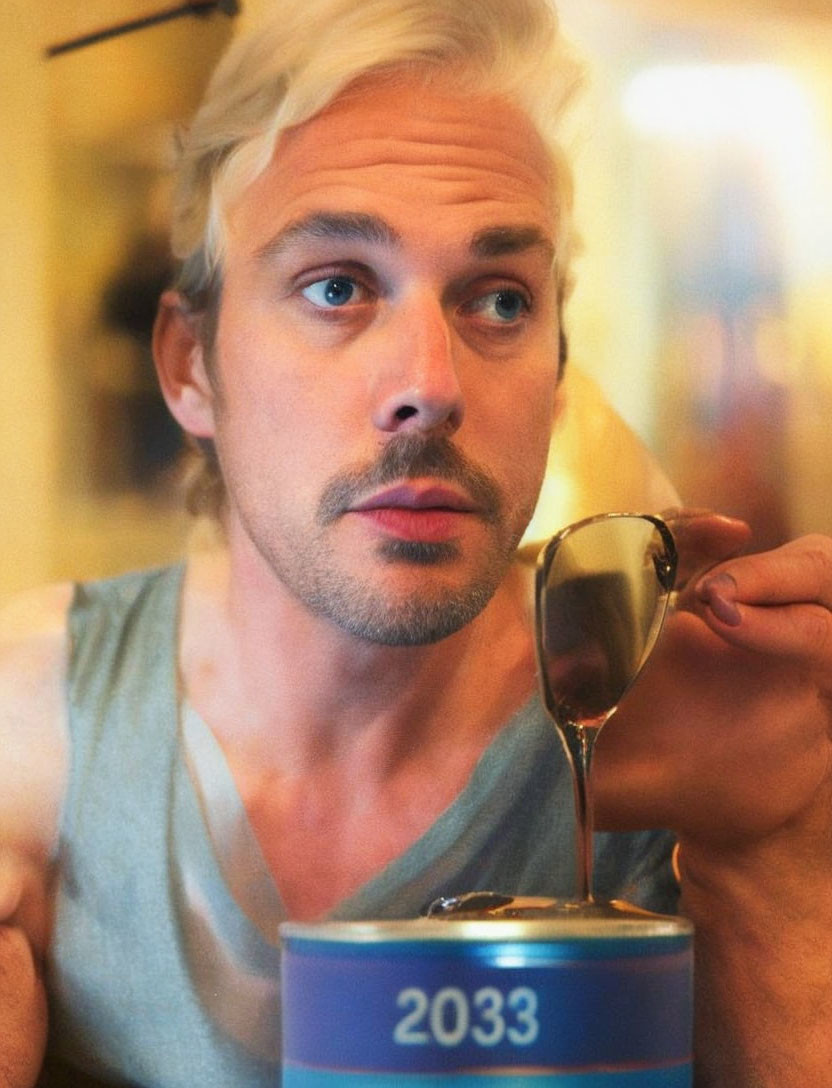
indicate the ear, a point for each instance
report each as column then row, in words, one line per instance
column 180, row 363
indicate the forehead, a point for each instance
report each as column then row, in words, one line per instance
column 426, row 157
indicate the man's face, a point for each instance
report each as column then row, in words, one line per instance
column 385, row 357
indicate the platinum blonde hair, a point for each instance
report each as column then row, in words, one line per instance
column 300, row 58
column 305, row 52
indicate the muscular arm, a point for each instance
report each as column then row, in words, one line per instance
column 728, row 740
column 32, row 776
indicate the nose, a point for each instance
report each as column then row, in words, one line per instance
column 418, row 385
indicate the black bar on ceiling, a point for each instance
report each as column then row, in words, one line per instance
column 191, row 7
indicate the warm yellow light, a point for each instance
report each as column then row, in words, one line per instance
column 763, row 108
column 751, row 102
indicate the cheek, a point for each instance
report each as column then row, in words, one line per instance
column 535, row 442
column 281, row 431
column 513, row 444
column 530, row 412
column 259, row 382
column 268, row 362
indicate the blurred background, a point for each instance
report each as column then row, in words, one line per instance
column 703, row 309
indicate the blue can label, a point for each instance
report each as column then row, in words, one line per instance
column 566, row 1013
column 295, row 1077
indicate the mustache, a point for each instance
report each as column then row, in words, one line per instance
column 408, row 457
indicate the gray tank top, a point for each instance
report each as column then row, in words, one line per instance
column 164, row 967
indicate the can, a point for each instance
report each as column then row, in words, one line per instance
column 555, row 1003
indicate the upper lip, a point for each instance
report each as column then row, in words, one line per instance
column 418, row 497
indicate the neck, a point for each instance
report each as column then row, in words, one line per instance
column 292, row 690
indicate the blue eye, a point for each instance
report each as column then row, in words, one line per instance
column 502, row 307
column 509, row 305
column 332, row 292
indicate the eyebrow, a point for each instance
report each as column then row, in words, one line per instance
column 502, row 241
column 333, row 226
column 497, row 241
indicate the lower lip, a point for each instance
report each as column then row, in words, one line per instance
column 408, row 524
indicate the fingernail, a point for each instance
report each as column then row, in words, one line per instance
column 719, row 593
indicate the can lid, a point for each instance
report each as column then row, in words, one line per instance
column 439, row 930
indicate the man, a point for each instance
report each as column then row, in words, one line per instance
column 334, row 714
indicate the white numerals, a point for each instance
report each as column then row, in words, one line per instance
column 523, row 1001
column 450, row 1017
column 407, row 1031
column 491, row 1026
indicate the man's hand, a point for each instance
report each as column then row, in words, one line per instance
column 33, row 769
column 22, row 1011
column 727, row 736
column 727, row 739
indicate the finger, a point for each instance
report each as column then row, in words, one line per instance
column 777, row 602
column 704, row 539
column 801, row 633
column 23, row 1011
column 797, row 572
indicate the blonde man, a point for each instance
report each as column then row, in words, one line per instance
column 334, row 714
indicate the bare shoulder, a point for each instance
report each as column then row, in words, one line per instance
column 33, row 647
column 34, row 612
column 33, row 737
